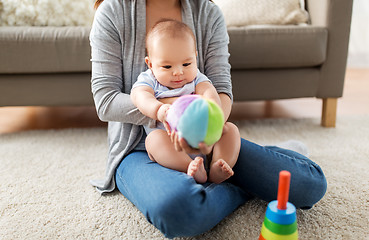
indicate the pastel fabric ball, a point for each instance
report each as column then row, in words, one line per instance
column 196, row 119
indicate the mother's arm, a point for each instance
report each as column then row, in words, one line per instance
column 111, row 97
column 216, row 57
column 226, row 103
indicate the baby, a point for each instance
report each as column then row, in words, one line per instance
column 173, row 72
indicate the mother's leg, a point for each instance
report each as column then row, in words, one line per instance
column 172, row 201
column 257, row 171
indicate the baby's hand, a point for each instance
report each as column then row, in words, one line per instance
column 205, row 149
column 162, row 115
column 180, row 144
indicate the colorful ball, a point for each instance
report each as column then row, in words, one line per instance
column 196, row 119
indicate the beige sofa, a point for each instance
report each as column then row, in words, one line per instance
column 49, row 66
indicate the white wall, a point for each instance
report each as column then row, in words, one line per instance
column 358, row 56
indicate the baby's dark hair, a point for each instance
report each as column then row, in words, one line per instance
column 97, row 3
column 169, row 28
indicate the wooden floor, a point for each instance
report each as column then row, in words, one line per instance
column 355, row 101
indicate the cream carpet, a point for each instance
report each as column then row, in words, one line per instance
column 45, row 194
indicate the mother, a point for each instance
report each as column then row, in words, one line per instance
column 170, row 200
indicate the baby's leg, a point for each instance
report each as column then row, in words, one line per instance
column 161, row 150
column 225, row 154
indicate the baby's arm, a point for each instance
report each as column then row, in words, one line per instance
column 207, row 90
column 144, row 99
column 168, row 100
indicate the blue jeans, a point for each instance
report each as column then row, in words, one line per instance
column 175, row 204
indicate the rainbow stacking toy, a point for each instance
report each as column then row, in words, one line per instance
column 280, row 218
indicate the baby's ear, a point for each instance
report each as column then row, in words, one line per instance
column 148, row 62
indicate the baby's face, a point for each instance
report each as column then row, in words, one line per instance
column 173, row 61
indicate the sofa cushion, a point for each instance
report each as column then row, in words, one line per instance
column 277, row 46
column 44, row 49
column 256, row 12
column 46, row 12
column 67, row 49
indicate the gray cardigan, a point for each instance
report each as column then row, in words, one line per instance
column 117, row 41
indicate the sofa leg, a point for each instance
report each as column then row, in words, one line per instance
column 329, row 112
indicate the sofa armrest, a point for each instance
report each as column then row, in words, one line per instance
column 318, row 12
column 335, row 15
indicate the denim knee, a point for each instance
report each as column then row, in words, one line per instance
column 311, row 190
column 180, row 213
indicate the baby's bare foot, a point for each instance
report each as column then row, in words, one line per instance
column 196, row 170
column 220, row 171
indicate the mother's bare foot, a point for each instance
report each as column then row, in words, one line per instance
column 196, row 170
column 220, row 171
